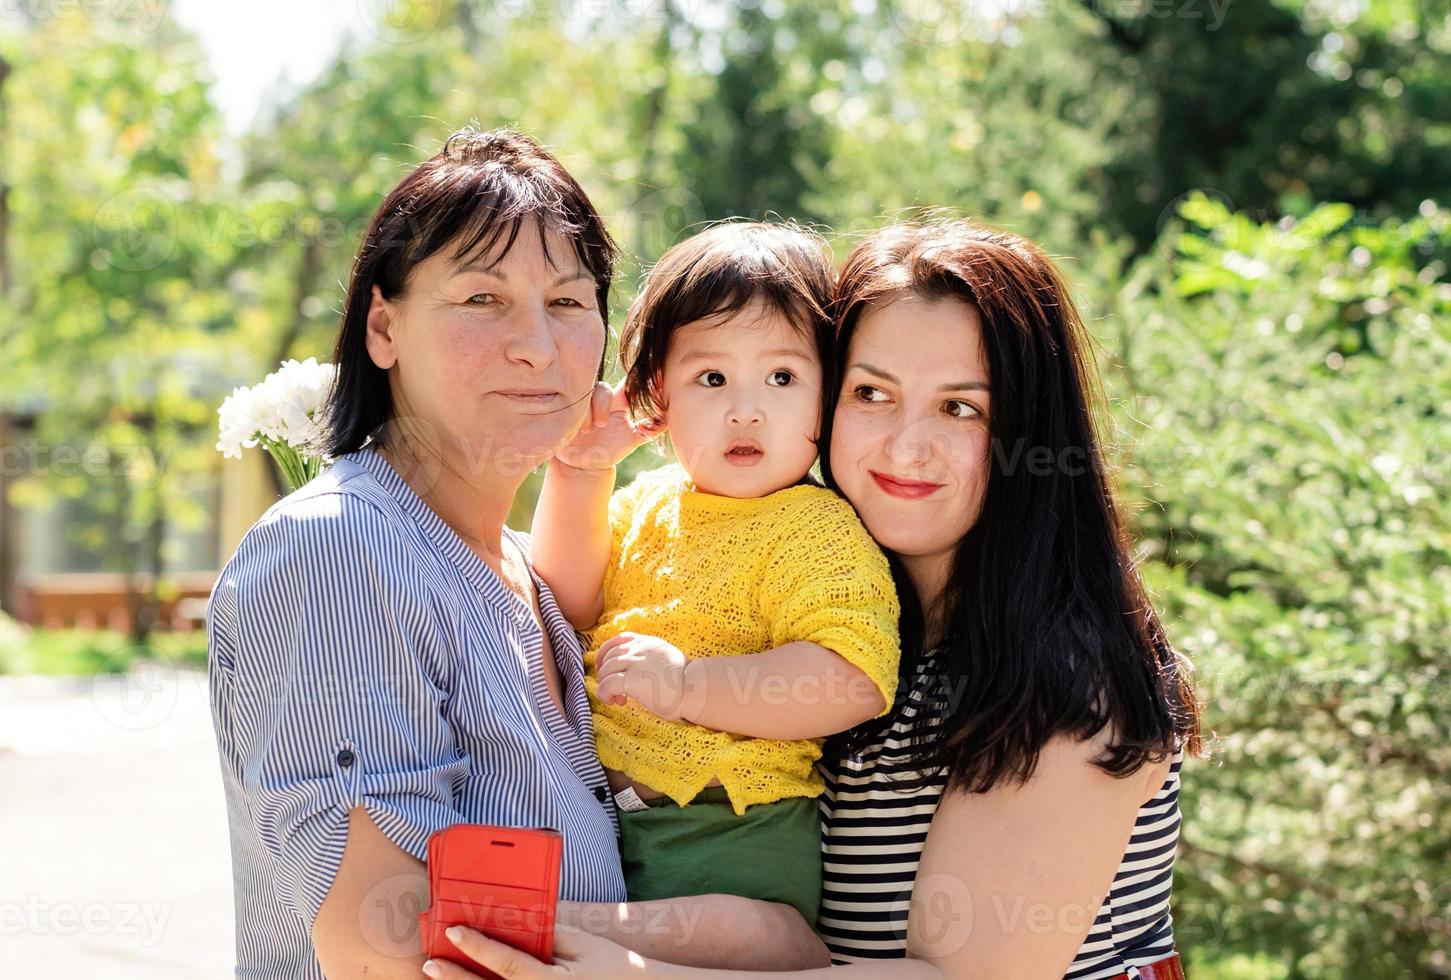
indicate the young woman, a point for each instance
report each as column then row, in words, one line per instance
column 383, row 661
column 1016, row 813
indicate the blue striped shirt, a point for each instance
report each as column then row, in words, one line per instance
column 361, row 655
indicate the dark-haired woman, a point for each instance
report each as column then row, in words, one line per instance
column 1016, row 813
column 383, row 661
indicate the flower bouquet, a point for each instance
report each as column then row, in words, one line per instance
column 280, row 415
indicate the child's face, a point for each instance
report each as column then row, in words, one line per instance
column 743, row 401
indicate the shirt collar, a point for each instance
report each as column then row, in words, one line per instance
column 445, row 538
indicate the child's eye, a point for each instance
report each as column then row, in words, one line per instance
column 868, row 393
column 965, row 410
column 780, row 379
column 482, row 299
column 711, row 379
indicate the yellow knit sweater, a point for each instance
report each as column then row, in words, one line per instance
column 724, row 576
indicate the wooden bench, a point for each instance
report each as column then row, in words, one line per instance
column 87, row 600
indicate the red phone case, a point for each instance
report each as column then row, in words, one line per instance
column 502, row 881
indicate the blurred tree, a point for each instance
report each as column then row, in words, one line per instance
column 117, row 297
column 752, row 144
column 1275, row 104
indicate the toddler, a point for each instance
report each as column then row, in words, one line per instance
column 735, row 612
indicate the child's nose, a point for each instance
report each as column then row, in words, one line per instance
column 745, row 413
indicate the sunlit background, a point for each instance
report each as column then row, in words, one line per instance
column 1249, row 196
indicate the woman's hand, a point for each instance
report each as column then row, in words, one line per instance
column 576, row 954
column 610, row 434
column 646, row 669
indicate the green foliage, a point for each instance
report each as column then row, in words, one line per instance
column 84, row 652
column 1283, row 395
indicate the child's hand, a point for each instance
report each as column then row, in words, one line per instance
column 610, row 434
column 644, row 668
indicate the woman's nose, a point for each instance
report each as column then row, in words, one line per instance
column 530, row 339
column 910, row 445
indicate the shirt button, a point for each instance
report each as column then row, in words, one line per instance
column 600, row 793
column 345, row 758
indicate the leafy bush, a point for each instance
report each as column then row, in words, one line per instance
column 1283, row 392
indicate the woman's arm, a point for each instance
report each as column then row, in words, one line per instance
column 368, row 924
column 1009, row 885
column 795, row 691
column 704, row 930
column 1011, row 880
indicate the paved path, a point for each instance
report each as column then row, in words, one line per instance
column 113, row 833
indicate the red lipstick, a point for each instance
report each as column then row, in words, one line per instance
column 905, row 489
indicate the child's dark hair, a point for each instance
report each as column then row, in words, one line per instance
column 718, row 272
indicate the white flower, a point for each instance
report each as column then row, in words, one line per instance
column 283, row 408
column 237, row 422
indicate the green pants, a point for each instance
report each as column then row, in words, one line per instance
column 771, row 852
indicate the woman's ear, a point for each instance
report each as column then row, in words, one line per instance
column 382, row 315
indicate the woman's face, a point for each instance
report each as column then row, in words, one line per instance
column 909, row 442
column 493, row 361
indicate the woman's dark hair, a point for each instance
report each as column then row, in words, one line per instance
column 473, row 196
column 717, row 272
column 1047, row 626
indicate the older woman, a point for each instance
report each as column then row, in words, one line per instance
column 1016, row 813
column 383, row 661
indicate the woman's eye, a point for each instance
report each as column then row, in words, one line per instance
column 781, row 379
column 482, row 299
column 570, row 302
column 962, row 410
column 712, row 379
column 867, row 393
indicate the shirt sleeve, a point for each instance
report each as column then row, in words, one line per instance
column 827, row 582
column 328, row 686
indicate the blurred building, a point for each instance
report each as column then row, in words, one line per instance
column 49, row 579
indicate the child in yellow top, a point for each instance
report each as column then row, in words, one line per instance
column 735, row 612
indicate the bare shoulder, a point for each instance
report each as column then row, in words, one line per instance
column 1066, row 780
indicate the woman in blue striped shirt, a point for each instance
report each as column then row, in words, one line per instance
column 1016, row 812
column 383, row 662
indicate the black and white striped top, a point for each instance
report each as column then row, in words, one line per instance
column 872, row 839
column 361, row 655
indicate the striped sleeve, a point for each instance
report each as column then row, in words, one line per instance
column 330, row 686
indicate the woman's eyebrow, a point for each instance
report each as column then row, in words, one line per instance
column 502, row 276
column 958, row 386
